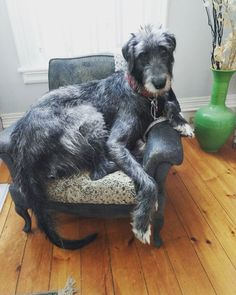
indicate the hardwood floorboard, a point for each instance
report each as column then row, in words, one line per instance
column 126, row 268
column 12, row 247
column 183, row 257
column 217, row 218
column 5, row 211
column 4, row 173
column 209, row 250
column 221, row 184
column 36, row 265
column 95, row 259
column 228, row 155
column 158, row 271
column 66, row 263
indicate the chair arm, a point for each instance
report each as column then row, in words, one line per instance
column 163, row 146
column 5, row 155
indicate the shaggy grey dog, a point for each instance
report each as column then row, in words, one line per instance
column 95, row 127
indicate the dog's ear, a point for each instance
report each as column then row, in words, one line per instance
column 172, row 41
column 128, row 52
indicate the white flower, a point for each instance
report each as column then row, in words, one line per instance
column 219, row 54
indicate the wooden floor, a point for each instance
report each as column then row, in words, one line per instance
column 198, row 256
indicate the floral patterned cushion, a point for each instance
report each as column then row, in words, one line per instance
column 115, row 188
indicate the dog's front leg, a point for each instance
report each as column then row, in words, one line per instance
column 104, row 168
column 173, row 113
column 146, row 186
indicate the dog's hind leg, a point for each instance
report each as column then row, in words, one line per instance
column 21, row 207
column 51, row 146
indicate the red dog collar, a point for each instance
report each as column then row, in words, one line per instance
column 134, row 85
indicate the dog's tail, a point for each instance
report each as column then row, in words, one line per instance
column 37, row 199
column 45, row 224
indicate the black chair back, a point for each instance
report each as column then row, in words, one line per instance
column 69, row 71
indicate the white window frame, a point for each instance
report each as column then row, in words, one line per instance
column 38, row 73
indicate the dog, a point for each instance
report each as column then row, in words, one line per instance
column 95, row 127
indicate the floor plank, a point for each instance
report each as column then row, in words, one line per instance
column 36, row 266
column 183, row 257
column 12, row 246
column 65, row 263
column 228, row 155
column 222, row 185
column 215, row 215
column 210, row 252
column 205, row 162
column 4, row 212
column 4, row 173
column 158, row 272
column 126, row 268
column 95, row 259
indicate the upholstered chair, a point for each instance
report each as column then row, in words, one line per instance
column 114, row 195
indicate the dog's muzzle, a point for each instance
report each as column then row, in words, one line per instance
column 158, row 85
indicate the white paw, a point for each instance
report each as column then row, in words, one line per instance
column 143, row 237
column 185, row 130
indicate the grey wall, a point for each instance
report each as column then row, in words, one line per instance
column 15, row 96
column 192, row 77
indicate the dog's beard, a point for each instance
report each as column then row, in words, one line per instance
column 148, row 85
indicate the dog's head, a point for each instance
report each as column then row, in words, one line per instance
column 149, row 54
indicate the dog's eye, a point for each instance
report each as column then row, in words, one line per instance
column 143, row 56
column 163, row 50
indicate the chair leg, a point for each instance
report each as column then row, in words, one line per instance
column 234, row 140
column 158, row 216
column 157, row 226
column 21, row 207
column 158, row 221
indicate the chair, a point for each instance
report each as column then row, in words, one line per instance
column 234, row 140
column 114, row 195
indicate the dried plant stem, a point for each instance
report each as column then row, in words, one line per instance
column 220, row 13
column 232, row 54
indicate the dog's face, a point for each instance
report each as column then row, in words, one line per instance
column 149, row 55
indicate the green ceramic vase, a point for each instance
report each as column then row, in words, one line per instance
column 215, row 123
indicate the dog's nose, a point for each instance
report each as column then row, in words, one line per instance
column 159, row 83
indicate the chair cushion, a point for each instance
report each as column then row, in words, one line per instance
column 115, row 188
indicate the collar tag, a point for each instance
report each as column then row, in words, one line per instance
column 154, row 108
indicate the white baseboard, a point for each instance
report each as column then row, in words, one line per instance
column 194, row 103
column 4, row 187
column 9, row 118
column 188, row 104
column 33, row 76
column 1, row 124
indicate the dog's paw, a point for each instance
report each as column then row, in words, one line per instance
column 143, row 236
column 185, row 130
